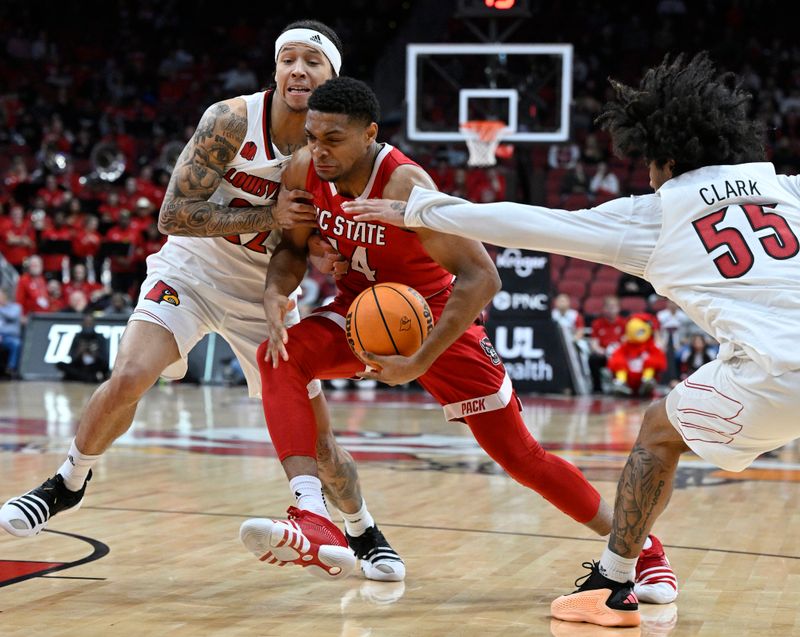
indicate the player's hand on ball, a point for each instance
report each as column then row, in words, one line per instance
column 392, row 370
column 276, row 306
column 388, row 211
column 294, row 209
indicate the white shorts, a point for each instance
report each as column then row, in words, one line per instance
column 730, row 412
column 191, row 309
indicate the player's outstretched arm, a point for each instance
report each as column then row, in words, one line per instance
column 198, row 172
column 595, row 234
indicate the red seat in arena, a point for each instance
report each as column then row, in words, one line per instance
column 576, row 289
column 593, row 306
column 602, row 287
column 632, row 304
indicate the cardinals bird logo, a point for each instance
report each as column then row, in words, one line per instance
column 163, row 292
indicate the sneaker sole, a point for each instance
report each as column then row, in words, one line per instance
column 6, row 525
column 590, row 606
column 395, row 571
column 278, row 543
column 656, row 593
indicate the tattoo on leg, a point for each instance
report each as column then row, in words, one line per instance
column 338, row 473
column 642, row 493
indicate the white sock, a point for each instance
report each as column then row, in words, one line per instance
column 358, row 522
column 617, row 568
column 647, row 543
column 307, row 490
column 76, row 468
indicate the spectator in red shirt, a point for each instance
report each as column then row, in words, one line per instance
column 144, row 215
column 57, row 231
column 79, row 282
column 607, row 331
column 86, row 242
column 123, row 268
column 54, row 196
column 32, row 288
column 58, row 300
column 17, row 237
column 111, row 209
column 75, row 214
column 147, row 186
column 130, row 194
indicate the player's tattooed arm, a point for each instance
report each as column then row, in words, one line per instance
column 198, row 172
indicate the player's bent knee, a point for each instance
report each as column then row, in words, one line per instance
column 130, row 380
column 656, row 427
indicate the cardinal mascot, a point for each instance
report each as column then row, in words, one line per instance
column 637, row 362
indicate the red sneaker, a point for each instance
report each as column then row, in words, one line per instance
column 655, row 580
column 305, row 538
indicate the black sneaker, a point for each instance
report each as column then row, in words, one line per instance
column 598, row 600
column 379, row 561
column 28, row 514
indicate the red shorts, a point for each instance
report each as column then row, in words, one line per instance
column 467, row 379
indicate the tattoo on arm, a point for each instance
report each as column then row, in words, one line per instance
column 198, row 172
column 642, row 494
column 399, row 206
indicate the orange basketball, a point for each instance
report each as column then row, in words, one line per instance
column 388, row 318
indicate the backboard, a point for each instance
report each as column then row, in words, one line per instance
column 528, row 86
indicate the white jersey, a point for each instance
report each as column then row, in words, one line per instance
column 237, row 264
column 726, row 251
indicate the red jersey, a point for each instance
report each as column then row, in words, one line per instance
column 608, row 332
column 377, row 253
column 11, row 237
column 32, row 294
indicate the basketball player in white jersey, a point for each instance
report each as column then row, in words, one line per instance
column 720, row 236
column 223, row 213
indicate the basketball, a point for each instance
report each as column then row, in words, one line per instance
column 388, row 318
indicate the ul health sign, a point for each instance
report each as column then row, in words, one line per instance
column 525, row 337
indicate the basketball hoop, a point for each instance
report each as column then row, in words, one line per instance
column 482, row 137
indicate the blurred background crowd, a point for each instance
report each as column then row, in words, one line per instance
column 97, row 102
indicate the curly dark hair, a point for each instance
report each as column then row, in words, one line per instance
column 684, row 112
column 324, row 29
column 348, row 96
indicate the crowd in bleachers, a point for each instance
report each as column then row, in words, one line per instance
column 89, row 125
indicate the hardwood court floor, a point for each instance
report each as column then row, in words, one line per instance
column 157, row 539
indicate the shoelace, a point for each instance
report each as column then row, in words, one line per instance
column 592, row 566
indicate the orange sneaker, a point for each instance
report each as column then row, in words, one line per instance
column 655, row 580
column 305, row 538
column 598, row 600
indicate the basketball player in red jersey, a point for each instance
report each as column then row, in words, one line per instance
column 457, row 364
column 222, row 213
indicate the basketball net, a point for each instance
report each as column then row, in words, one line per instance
column 482, row 137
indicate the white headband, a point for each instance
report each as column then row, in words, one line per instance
column 311, row 38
